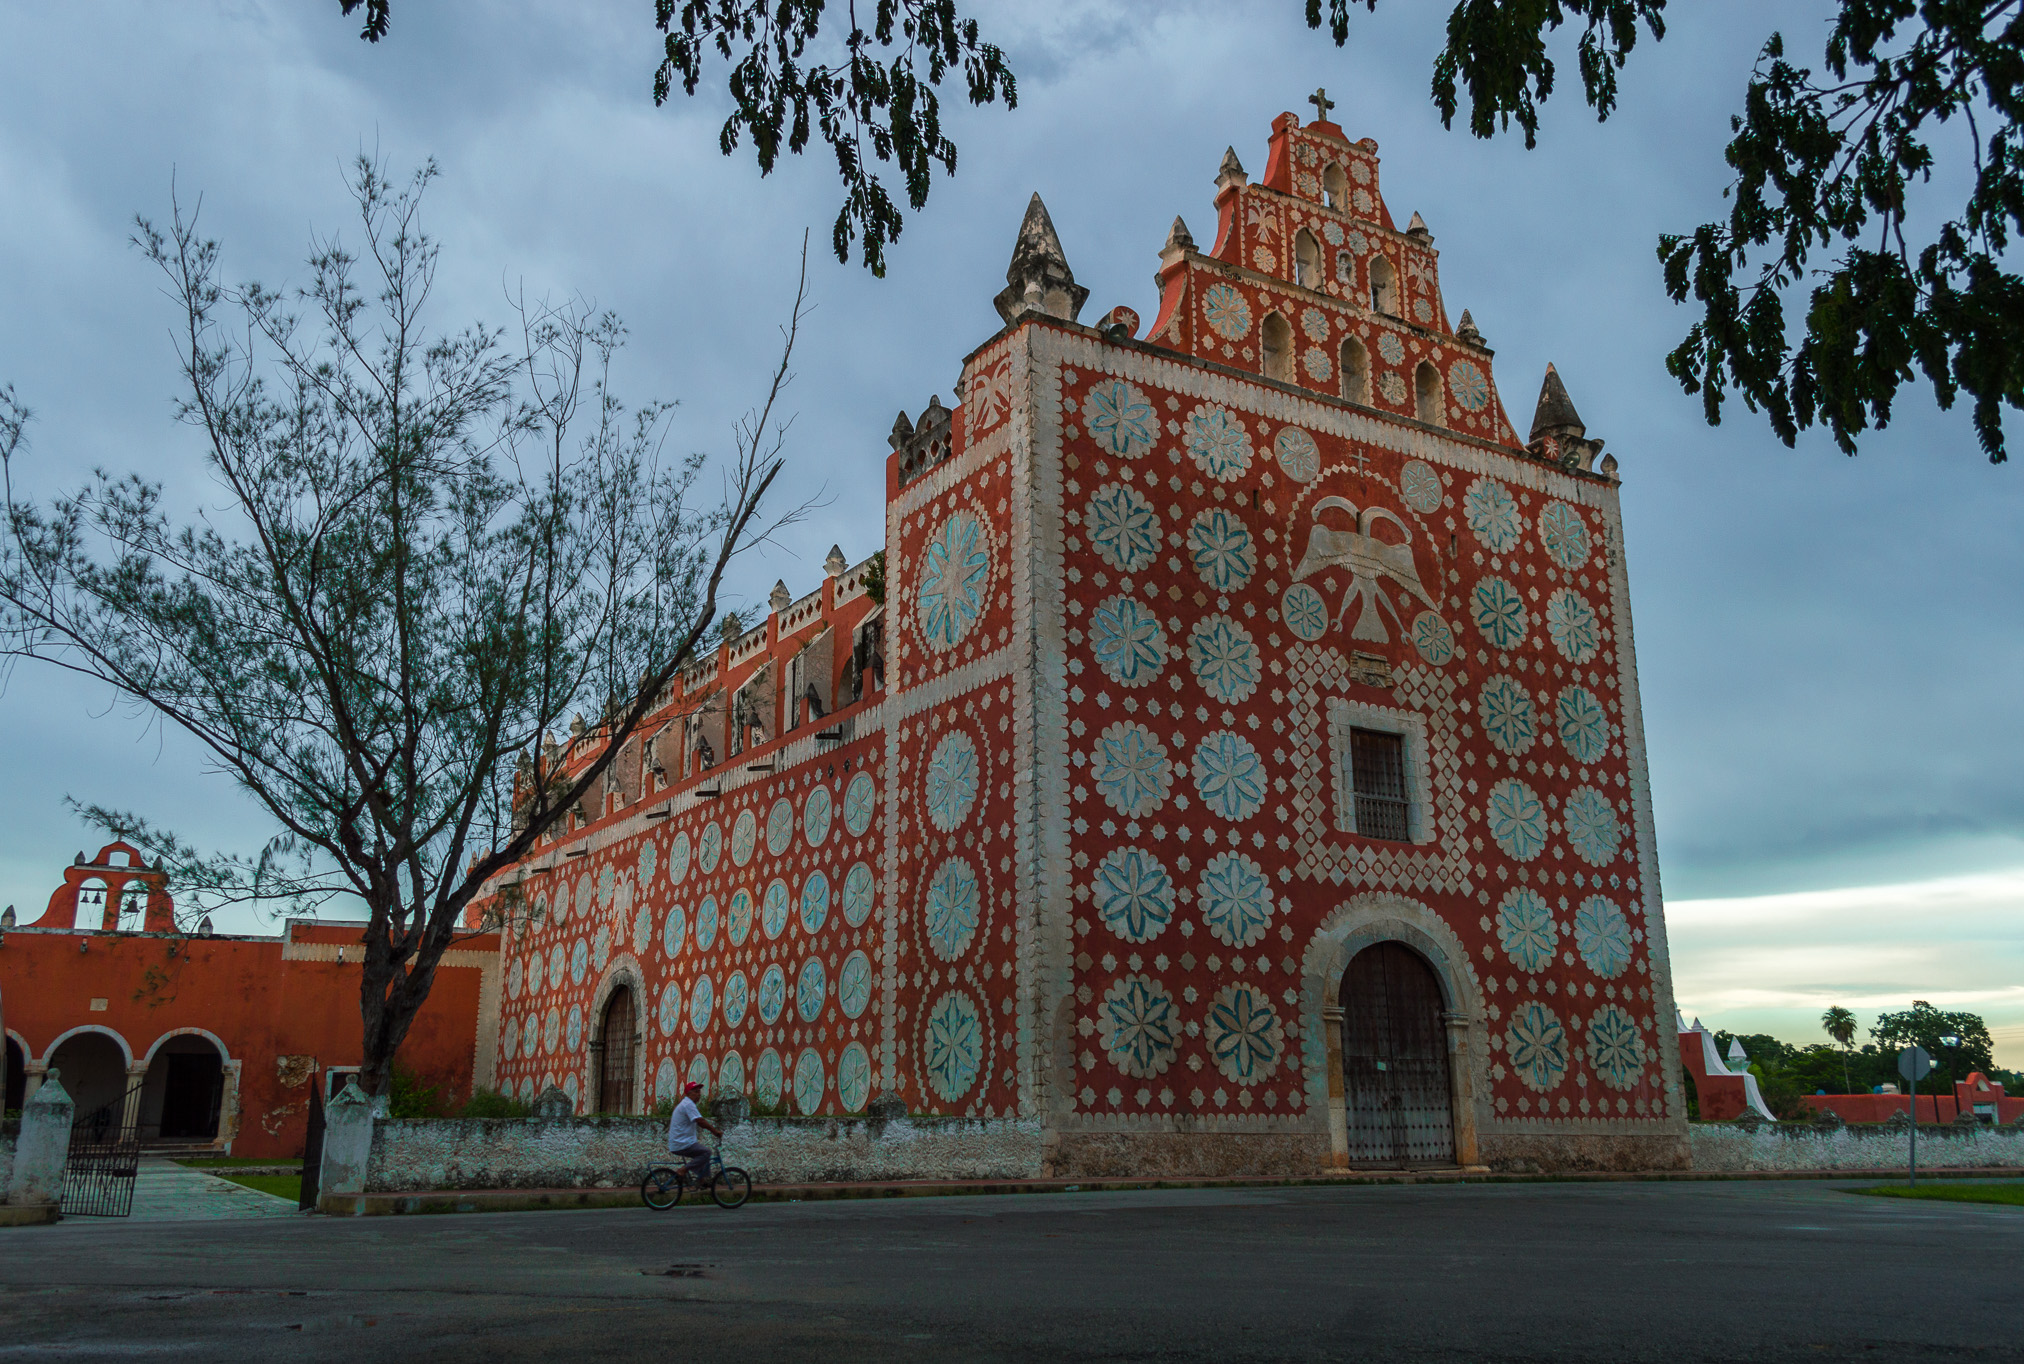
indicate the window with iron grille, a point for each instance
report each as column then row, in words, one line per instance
column 1378, row 766
column 1378, row 777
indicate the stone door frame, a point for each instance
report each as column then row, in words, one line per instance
column 1362, row 921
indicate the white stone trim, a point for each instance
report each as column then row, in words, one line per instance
column 224, row 1052
column 1344, row 715
column 126, row 1052
column 1652, row 898
column 1380, row 916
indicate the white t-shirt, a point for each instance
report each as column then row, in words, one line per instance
column 682, row 1124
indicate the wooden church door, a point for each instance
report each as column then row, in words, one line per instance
column 1395, row 1060
column 615, row 1057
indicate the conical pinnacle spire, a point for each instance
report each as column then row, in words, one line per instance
column 1231, row 172
column 1038, row 279
column 1555, row 414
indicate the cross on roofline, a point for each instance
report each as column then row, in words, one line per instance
column 1322, row 104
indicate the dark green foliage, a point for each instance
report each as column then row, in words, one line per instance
column 875, row 579
column 1923, row 1026
column 377, row 17
column 874, row 100
column 1820, row 1066
column 1497, row 48
column 408, row 1097
column 1825, row 166
column 761, row 1109
column 492, row 1103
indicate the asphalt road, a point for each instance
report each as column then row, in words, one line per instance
column 1673, row 1272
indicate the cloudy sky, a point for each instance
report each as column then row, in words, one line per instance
column 1826, row 644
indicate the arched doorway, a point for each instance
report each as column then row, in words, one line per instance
column 184, row 1090
column 17, row 1076
column 1396, row 1088
column 619, row 1042
column 92, row 1068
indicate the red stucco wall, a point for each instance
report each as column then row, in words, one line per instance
column 254, row 996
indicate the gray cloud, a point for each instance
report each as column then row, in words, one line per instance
column 1828, row 647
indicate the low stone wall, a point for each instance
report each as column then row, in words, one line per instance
column 603, row 1153
column 1536, row 1153
column 1803, row 1146
column 6, row 1163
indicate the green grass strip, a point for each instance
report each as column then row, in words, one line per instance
column 1952, row 1192
column 281, row 1186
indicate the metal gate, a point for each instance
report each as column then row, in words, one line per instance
column 104, row 1160
column 1395, row 1060
column 312, row 1148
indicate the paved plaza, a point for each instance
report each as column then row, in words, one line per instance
column 1673, row 1272
column 167, row 1192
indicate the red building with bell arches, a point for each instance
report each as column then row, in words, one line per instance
column 205, row 1041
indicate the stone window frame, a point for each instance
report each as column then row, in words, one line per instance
column 1344, row 715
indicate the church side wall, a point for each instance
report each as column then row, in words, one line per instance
column 958, row 936
column 747, row 924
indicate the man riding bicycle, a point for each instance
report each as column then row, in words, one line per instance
column 682, row 1127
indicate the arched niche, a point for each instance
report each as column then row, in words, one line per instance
column 1384, row 286
column 1276, row 336
column 1355, row 370
column 1307, row 272
column 1428, row 404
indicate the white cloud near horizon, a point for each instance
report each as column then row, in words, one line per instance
column 1775, row 963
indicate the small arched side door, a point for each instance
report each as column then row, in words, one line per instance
column 620, row 1039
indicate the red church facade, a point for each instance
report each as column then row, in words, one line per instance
column 1243, row 770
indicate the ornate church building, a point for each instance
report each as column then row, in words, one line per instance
column 1234, row 763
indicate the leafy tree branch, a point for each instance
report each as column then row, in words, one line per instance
column 431, row 548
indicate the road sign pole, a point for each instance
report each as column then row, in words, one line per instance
column 1914, row 1064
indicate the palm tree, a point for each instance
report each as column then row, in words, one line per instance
column 1839, row 1024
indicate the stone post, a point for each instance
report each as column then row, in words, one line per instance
column 1338, row 1098
column 1462, row 1082
column 130, row 1110
column 347, row 1149
column 43, row 1147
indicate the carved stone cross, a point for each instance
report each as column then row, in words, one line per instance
column 1322, row 104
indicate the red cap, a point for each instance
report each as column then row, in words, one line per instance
column 693, row 1084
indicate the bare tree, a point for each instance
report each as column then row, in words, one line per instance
column 431, row 549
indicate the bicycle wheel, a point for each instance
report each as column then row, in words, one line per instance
column 662, row 1188
column 732, row 1187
